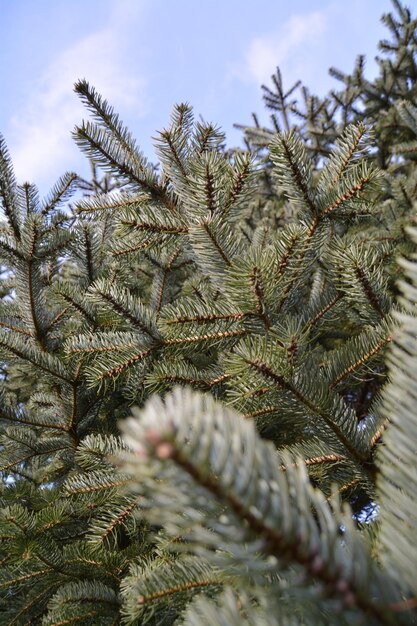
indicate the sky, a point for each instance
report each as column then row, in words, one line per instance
column 144, row 56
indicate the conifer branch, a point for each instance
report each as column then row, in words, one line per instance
column 265, row 278
column 368, row 290
column 216, row 243
column 204, row 318
column 154, row 228
column 9, row 250
column 287, row 152
column 287, row 252
column 100, row 145
column 118, row 519
column 59, row 193
column 344, row 431
column 74, row 304
column 324, row 310
column 16, row 329
column 126, row 306
column 351, row 193
column 345, row 149
column 8, row 190
column 102, row 373
column 42, row 360
column 361, row 361
column 168, row 138
column 124, row 248
column 240, row 177
column 258, row 290
column 163, row 452
column 206, row 337
column 94, row 481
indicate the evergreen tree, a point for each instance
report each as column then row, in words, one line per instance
column 378, row 103
column 255, row 294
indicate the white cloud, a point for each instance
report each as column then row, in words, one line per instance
column 41, row 144
column 284, row 47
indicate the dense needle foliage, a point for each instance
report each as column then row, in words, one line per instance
column 207, row 409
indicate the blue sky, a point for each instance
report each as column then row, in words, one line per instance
column 146, row 55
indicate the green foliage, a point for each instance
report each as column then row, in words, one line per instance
column 397, row 483
column 248, row 509
column 254, row 291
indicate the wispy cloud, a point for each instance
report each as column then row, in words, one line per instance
column 41, row 142
column 286, row 47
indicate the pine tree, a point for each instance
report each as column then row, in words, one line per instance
column 378, row 103
column 247, row 305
